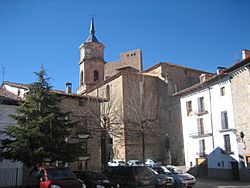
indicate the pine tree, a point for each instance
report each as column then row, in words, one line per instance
column 41, row 130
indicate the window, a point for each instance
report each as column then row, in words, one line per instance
column 189, row 108
column 82, row 127
column 96, row 76
column 201, row 147
column 108, row 92
column 227, row 144
column 82, row 102
column 222, row 91
column 170, row 116
column 81, row 78
column 175, row 88
column 224, row 120
column 200, row 126
column 248, row 162
column 201, row 106
column 222, row 164
column 84, row 149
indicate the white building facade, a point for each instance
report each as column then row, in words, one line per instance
column 207, row 117
column 210, row 133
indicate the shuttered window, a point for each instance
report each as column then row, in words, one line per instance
column 227, row 143
column 224, row 120
column 201, row 105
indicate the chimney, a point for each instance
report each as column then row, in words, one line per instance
column 204, row 77
column 245, row 54
column 220, row 69
column 68, row 87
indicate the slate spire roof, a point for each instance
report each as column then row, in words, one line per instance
column 92, row 37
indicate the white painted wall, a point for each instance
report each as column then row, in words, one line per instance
column 5, row 120
column 15, row 90
column 214, row 105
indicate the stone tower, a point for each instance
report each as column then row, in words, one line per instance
column 91, row 61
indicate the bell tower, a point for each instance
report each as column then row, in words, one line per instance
column 91, row 61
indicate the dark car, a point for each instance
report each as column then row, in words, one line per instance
column 95, row 179
column 182, row 179
column 53, row 177
column 169, row 181
column 134, row 176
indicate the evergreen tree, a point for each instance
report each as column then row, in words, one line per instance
column 41, row 130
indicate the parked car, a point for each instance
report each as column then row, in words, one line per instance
column 116, row 162
column 94, row 179
column 134, row 163
column 169, row 181
column 182, row 179
column 152, row 163
column 134, row 177
column 53, row 177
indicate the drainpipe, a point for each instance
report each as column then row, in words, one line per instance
column 211, row 115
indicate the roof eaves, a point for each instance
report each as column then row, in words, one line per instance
column 173, row 65
column 102, row 83
column 237, row 65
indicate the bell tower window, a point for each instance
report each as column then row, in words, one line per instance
column 96, row 76
column 81, row 78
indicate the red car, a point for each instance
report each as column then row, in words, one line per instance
column 53, row 177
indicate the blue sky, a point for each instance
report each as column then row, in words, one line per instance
column 201, row 34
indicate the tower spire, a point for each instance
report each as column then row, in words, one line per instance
column 92, row 37
column 92, row 28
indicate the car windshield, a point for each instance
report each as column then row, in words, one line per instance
column 165, row 170
column 60, row 174
column 137, row 162
column 175, row 171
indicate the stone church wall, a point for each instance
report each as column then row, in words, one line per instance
column 145, row 108
column 176, row 78
column 115, row 96
column 131, row 58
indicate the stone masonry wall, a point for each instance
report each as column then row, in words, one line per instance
column 176, row 78
column 131, row 58
column 78, row 108
column 144, row 106
column 241, row 100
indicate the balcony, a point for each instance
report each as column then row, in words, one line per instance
column 201, row 134
column 228, row 130
column 201, row 113
column 84, row 158
column 201, row 154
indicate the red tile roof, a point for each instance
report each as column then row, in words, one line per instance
column 17, row 85
column 59, row 92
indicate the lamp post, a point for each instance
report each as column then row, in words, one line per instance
column 103, row 142
column 143, row 144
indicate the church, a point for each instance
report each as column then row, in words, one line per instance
column 142, row 117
